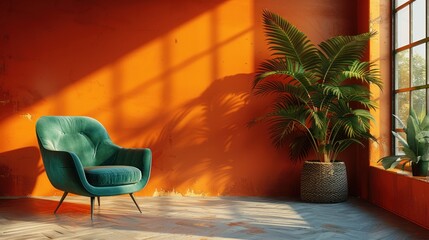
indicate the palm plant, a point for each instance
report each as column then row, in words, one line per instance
column 322, row 97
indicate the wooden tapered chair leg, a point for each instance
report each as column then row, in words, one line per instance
column 92, row 207
column 61, row 201
column 132, row 196
column 98, row 200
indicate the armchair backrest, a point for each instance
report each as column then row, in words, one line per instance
column 84, row 136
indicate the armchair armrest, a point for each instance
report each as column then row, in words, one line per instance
column 65, row 171
column 140, row 158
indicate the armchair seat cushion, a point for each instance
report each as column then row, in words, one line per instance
column 103, row 176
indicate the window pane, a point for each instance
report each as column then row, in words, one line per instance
column 402, row 27
column 418, row 20
column 402, row 107
column 402, row 70
column 418, row 65
column 418, row 99
column 411, row 56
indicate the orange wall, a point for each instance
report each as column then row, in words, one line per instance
column 170, row 75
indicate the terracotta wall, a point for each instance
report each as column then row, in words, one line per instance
column 170, row 75
column 403, row 195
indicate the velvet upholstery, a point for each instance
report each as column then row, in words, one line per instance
column 79, row 155
column 112, row 175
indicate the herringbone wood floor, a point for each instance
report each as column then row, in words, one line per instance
column 199, row 218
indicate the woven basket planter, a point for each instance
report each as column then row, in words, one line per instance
column 324, row 182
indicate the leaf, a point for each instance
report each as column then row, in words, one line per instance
column 423, row 137
column 424, row 125
column 285, row 122
column 410, row 153
column 401, row 139
column 340, row 52
column 390, row 161
column 355, row 123
column 413, row 115
column 287, row 41
column 412, row 130
column 284, row 69
column 341, row 145
column 400, row 122
column 271, row 87
column 300, row 147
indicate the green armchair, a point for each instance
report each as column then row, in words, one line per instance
column 80, row 158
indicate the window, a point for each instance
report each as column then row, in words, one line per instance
column 411, row 84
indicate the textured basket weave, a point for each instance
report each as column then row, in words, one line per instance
column 324, row 182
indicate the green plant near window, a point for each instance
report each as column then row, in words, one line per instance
column 415, row 145
column 322, row 96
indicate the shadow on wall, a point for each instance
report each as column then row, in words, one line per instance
column 206, row 147
column 19, row 170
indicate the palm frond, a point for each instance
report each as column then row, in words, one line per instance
column 339, row 52
column 287, row 41
column 291, row 109
column 281, row 126
column 299, row 146
column 282, row 110
column 320, row 98
column 342, row 145
column 337, row 91
column 319, row 120
column 364, row 117
column 365, row 72
column 351, row 93
column 363, row 100
column 279, row 130
column 295, row 102
column 354, row 122
column 354, row 94
column 279, row 64
column 271, row 87
column 281, row 68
